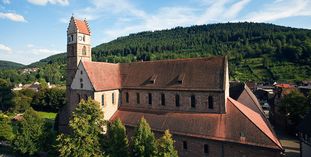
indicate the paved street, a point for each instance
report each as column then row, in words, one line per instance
column 290, row 144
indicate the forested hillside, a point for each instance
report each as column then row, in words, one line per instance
column 9, row 65
column 257, row 51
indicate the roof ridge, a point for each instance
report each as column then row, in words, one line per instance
column 273, row 139
column 174, row 60
column 100, row 62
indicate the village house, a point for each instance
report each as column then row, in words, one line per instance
column 190, row 97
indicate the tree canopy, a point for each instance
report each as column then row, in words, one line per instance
column 86, row 127
column 144, row 142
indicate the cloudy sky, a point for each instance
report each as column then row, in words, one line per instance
column 34, row 29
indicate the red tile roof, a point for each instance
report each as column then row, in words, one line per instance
column 223, row 127
column 196, row 74
column 284, row 85
column 82, row 26
column 257, row 120
column 103, row 76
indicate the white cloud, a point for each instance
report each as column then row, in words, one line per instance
column 236, row 8
column 12, row 16
column 45, row 2
column 6, row 1
column 101, row 8
column 30, row 45
column 280, row 9
column 212, row 12
column 127, row 18
column 5, row 49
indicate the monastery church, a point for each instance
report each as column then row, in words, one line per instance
column 190, row 97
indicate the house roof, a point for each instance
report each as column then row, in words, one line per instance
column 181, row 74
column 238, row 120
column 103, row 76
column 82, row 26
column 284, row 85
column 241, row 93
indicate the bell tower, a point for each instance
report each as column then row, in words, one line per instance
column 78, row 48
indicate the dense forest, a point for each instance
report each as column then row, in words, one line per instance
column 9, row 65
column 257, row 51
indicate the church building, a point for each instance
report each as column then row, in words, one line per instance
column 190, row 97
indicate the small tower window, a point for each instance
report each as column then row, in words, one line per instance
column 112, row 98
column 210, row 102
column 149, row 98
column 177, row 103
column 79, row 98
column 81, row 85
column 71, row 37
column 81, row 80
column 162, row 99
column 138, row 98
column 127, row 97
column 193, row 103
column 84, row 50
column 206, row 148
column 185, row 145
column 81, row 72
column 83, row 37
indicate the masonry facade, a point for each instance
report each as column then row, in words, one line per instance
column 190, row 97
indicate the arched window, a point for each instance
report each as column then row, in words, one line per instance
column 210, row 102
column 162, row 99
column 149, row 98
column 112, row 98
column 177, row 100
column 79, row 98
column 103, row 100
column 137, row 98
column 193, row 101
column 127, row 97
column 84, row 50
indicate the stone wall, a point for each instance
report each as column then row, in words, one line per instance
column 195, row 147
column 201, row 99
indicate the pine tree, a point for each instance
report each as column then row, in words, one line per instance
column 166, row 146
column 87, row 129
column 144, row 142
column 118, row 145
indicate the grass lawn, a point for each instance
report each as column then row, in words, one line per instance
column 47, row 115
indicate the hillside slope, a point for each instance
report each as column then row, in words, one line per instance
column 257, row 51
column 9, row 65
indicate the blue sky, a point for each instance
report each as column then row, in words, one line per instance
column 34, row 29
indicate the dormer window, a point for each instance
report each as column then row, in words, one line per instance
column 180, row 78
column 152, row 79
